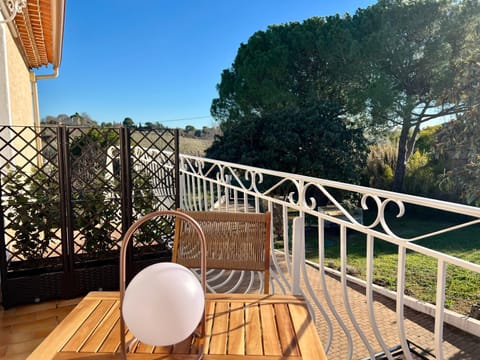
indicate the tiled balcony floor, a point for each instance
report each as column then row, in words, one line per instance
column 24, row 327
column 419, row 327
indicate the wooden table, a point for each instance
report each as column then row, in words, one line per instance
column 238, row 326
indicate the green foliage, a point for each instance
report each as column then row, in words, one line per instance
column 422, row 170
column 380, row 164
column 128, row 122
column 458, row 142
column 420, row 178
column 157, row 230
column 411, row 52
column 427, row 138
column 463, row 181
column 290, row 65
column 95, row 218
column 95, row 138
column 35, row 214
column 282, row 104
column 96, row 215
column 313, row 141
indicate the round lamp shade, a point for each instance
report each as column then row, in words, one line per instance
column 163, row 304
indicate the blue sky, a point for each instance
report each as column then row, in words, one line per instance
column 159, row 60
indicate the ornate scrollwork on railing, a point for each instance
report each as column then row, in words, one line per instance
column 251, row 175
column 296, row 189
column 380, row 216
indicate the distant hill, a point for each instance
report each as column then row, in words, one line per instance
column 194, row 146
column 192, row 141
column 70, row 120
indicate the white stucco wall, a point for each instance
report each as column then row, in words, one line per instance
column 21, row 103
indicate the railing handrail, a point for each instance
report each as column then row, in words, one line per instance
column 407, row 198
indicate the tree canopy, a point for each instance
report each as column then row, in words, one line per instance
column 282, row 104
column 396, row 64
column 459, row 141
column 411, row 54
column 313, row 141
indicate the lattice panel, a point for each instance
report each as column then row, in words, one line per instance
column 95, row 193
column 73, row 177
column 153, row 187
column 30, row 197
column 153, row 170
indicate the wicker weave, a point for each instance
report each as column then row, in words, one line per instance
column 235, row 241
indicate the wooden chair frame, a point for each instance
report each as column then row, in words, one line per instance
column 235, row 241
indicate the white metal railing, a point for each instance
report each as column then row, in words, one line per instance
column 209, row 184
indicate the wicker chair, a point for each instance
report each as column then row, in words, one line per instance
column 235, row 241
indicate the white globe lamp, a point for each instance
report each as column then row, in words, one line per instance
column 163, row 304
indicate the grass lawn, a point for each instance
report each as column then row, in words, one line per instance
column 463, row 286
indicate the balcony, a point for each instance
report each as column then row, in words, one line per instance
column 316, row 254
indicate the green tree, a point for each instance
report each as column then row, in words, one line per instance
column 189, row 129
column 288, row 65
column 128, row 122
column 411, row 52
column 426, row 138
column 458, row 142
column 282, row 104
column 313, row 141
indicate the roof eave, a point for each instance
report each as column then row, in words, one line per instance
column 58, row 14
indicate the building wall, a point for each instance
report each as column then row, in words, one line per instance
column 16, row 102
column 5, row 115
column 21, row 103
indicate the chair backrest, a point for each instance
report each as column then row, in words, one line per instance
column 235, row 241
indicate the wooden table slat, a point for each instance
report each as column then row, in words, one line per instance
column 209, row 310
column 112, row 343
column 184, row 347
column 253, row 334
column 163, row 349
column 103, row 330
column 307, row 336
column 144, row 348
column 110, row 356
column 285, row 330
column 218, row 340
column 236, row 330
column 271, row 342
column 238, row 327
column 90, row 324
column 256, row 298
column 64, row 330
